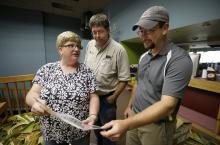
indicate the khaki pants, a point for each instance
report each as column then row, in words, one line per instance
column 152, row 134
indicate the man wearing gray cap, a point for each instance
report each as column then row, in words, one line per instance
column 164, row 72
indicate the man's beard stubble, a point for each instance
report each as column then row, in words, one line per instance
column 149, row 46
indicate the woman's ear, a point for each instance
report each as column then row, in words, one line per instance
column 60, row 50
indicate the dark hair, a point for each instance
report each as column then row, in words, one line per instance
column 99, row 20
column 161, row 23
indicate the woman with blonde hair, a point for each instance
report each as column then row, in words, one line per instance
column 66, row 86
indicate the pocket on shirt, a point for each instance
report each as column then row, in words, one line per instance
column 106, row 66
column 107, row 73
column 105, row 78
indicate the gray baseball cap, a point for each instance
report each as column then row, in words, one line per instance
column 151, row 16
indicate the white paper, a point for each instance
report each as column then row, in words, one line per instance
column 75, row 122
column 68, row 118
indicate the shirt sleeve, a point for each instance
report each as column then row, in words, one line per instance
column 123, row 66
column 41, row 75
column 177, row 77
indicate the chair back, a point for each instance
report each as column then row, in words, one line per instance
column 13, row 90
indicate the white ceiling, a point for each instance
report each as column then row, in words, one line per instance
column 72, row 8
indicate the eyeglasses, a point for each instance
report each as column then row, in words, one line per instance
column 98, row 33
column 73, row 46
column 146, row 32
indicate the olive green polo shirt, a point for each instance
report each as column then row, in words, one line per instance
column 109, row 63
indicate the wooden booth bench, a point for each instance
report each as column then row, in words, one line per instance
column 201, row 106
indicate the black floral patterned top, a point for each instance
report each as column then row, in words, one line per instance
column 64, row 93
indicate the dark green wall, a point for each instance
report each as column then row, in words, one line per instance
column 134, row 51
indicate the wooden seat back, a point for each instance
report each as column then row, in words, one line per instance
column 13, row 90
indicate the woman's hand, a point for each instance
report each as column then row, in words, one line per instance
column 90, row 120
column 38, row 108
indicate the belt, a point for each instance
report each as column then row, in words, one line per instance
column 108, row 94
column 167, row 119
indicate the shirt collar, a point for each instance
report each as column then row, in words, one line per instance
column 100, row 48
column 165, row 49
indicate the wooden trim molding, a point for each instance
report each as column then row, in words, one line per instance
column 203, row 84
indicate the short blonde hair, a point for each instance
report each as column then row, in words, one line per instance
column 66, row 36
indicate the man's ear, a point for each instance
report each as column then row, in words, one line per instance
column 165, row 28
column 108, row 30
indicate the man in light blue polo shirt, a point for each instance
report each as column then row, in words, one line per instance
column 164, row 72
